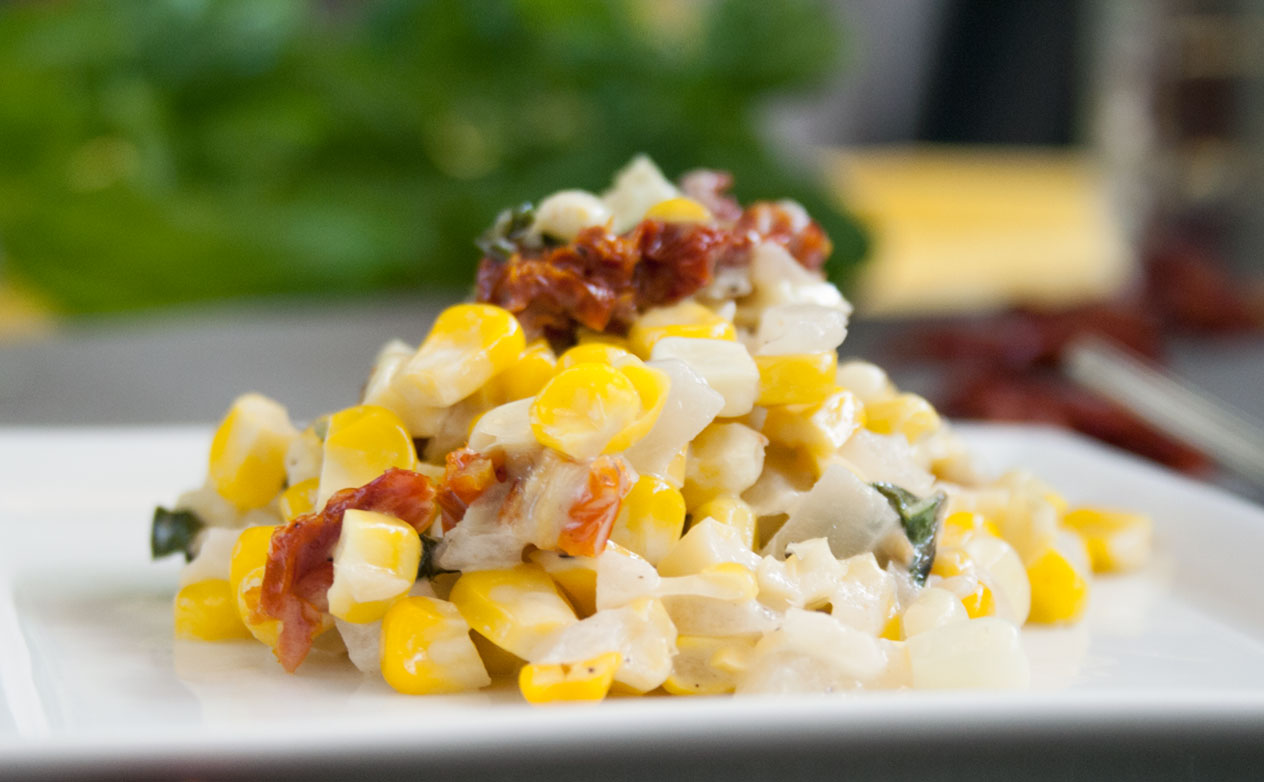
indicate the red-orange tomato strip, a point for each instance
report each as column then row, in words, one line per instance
column 587, row 526
column 300, row 569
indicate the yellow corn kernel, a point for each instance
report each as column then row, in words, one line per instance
column 468, row 345
column 596, row 353
column 1058, row 502
column 497, row 661
column 583, row 409
column 207, row 611
column 299, row 499
column 685, row 319
column 951, row 562
column 577, row 576
column 651, row 387
column 525, row 376
column 906, row 414
column 250, row 552
column 725, row 458
column 731, row 581
column 586, row 336
column 679, row 210
column 893, row 630
column 426, row 649
column 980, row 602
column 651, row 518
column 263, row 628
column 800, row 379
column 247, row 463
column 818, row 430
column 514, row 608
column 1116, row 540
column 959, row 526
column 588, row 680
column 731, row 511
column 1059, row 586
column 702, row 665
column 362, row 443
column 375, row 561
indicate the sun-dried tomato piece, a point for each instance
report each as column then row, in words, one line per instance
column 586, row 282
column 710, row 188
column 467, row 474
column 587, row 525
column 601, row 281
column 791, row 228
column 676, row 260
column 300, row 568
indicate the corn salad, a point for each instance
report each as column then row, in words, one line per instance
column 652, row 474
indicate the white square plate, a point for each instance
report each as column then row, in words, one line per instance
column 91, row 679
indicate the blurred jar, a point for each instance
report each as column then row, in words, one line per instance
column 1180, row 121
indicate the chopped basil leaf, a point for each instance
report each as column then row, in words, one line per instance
column 173, row 531
column 920, row 518
column 428, row 569
column 502, row 240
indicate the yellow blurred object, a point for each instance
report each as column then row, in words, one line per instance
column 583, row 409
column 468, row 345
column 799, row 379
column 361, row 443
column 1059, row 582
column 588, row 680
column 299, row 499
column 685, row 319
column 250, row 552
column 23, row 313
column 525, row 376
column 515, row 608
column 651, row 518
column 679, row 210
column 247, row 463
column 906, row 414
column 1116, row 540
column 375, row 561
column 731, row 511
column 207, row 611
column 426, row 649
column 960, row 229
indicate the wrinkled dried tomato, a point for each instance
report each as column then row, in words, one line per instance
column 587, row 525
column 299, row 568
column 601, row 281
column 467, row 474
column 771, row 221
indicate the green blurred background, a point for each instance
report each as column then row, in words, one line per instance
column 156, row 152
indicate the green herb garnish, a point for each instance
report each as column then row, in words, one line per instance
column 503, row 239
column 920, row 518
column 428, row 569
column 173, row 531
